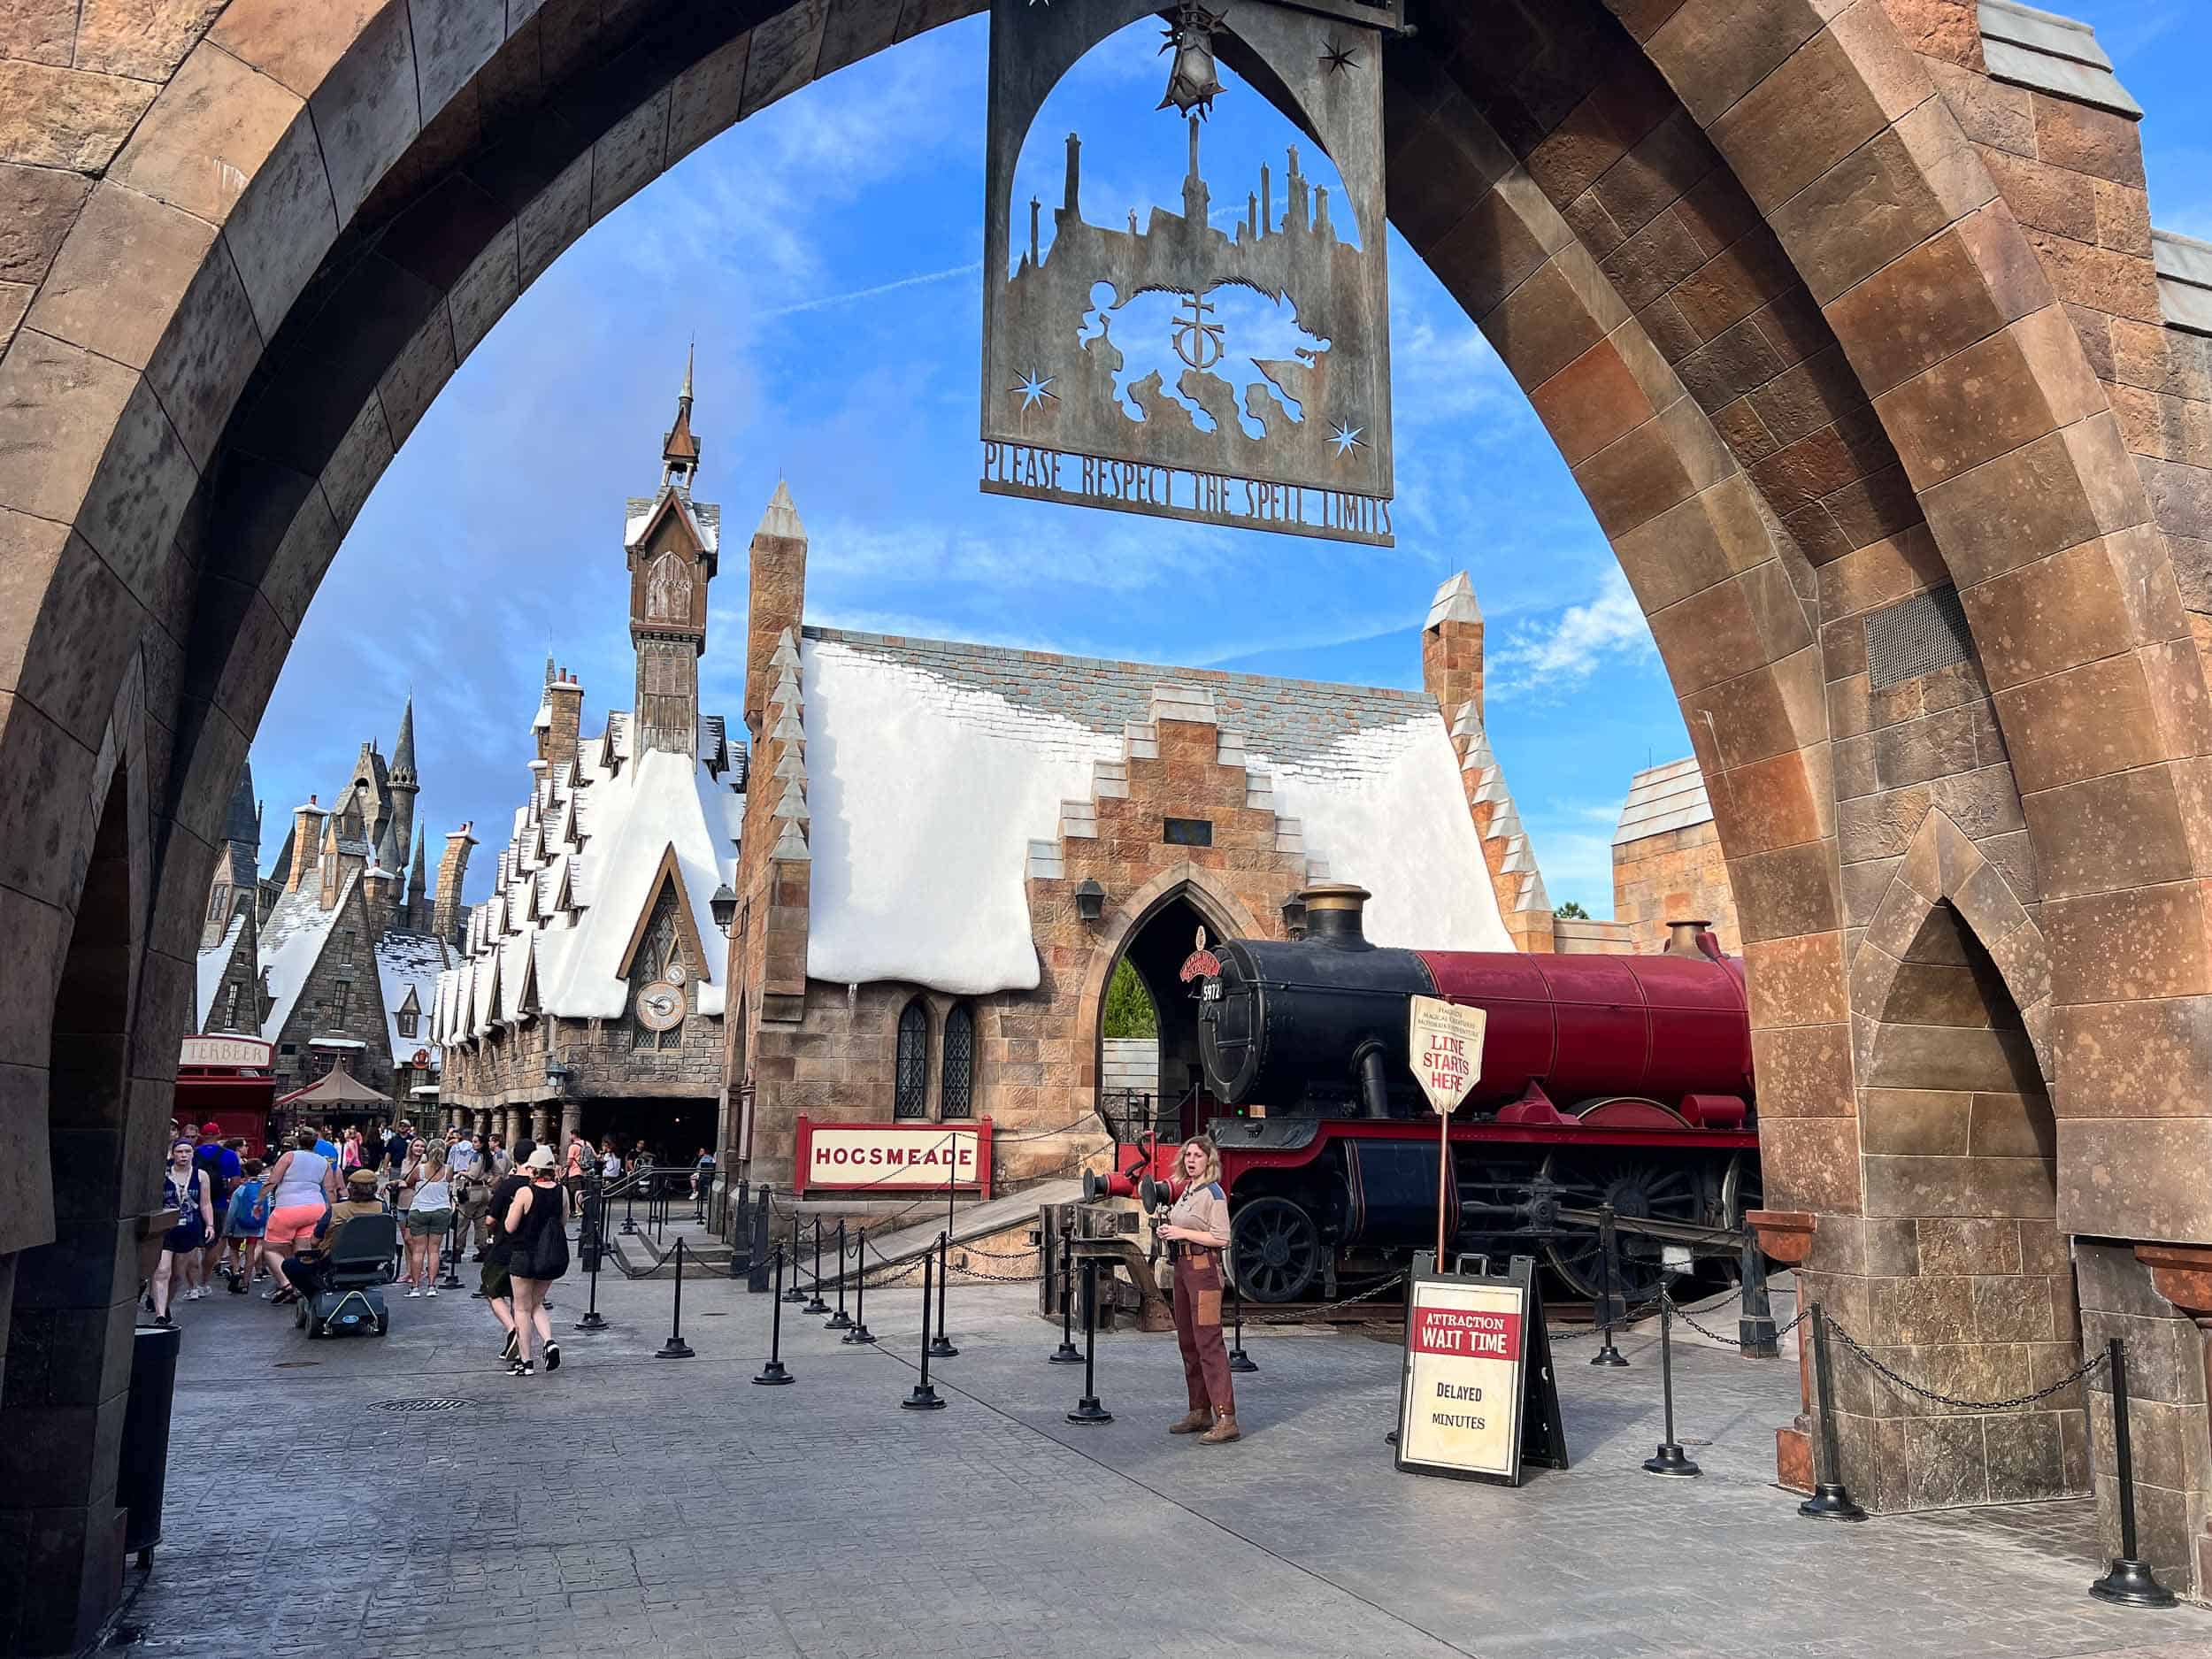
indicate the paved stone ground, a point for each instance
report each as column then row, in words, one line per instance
column 630, row 1505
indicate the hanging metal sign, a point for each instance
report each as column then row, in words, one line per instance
column 1179, row 414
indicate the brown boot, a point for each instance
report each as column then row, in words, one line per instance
column 1200, row 1419
column 1223, row 1430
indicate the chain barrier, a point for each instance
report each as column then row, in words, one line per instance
column 1596, row 1328
column 1299, row 1316
column 996, row 1255
column 1683, row 1314
column 996, row 1279
column 2087, row 1368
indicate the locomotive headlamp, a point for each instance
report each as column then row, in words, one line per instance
column 1294, row 917
column 1090, row 900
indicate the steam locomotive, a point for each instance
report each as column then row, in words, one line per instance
column 1619, row 1079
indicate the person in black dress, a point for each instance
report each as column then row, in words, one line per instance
column 537, row 1239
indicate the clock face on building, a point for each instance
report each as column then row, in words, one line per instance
column 660, row 1006
column 676, row 974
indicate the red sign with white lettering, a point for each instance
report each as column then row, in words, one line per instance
column 1468, row 1334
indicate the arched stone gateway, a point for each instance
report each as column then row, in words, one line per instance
column 1852, row 347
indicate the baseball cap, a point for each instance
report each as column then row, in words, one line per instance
column 543, row 1158
column 210, row 1129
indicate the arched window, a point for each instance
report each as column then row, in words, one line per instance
column 912, row 1100
column 957, row 1095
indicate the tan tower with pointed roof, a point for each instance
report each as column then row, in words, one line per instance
column 672, row 545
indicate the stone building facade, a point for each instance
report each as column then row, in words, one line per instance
column 1668, row 865
column 335, row 957
column 949, row 847
column 588, row 992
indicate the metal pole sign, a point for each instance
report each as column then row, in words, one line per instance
column 1478, row 1399
column 1444, row 1041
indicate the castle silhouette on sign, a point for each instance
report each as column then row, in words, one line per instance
column 1296, row 413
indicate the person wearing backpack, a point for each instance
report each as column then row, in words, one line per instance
column 243, row 1223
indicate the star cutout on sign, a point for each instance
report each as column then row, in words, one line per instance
column 1344, row 436
column 1034, row 391
column 1337, row 59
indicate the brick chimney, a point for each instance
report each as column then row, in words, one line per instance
column 564, row 704
column 446, row 912
column 775, row 601
column 1451, row 648
column 307, row 844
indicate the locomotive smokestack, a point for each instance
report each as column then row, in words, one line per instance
column 1334, row 914
column 1684, row 939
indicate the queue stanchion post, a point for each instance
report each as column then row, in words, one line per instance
column 794, row 1294
column 2129, row 1580
column 773, row 1374
column 760, row 1234
column 814, row 1304
column 1831, row 1499
column 629, row 1206
column 595, row 1246
column 1610, row 1310
column 1239, row 1360
column 676, row 1348
column 1670, row 1459
column 860, row 1333
column 942, row 1348
column 1756, row 1336
column 922, row 1396
column 1067, row 1353
column 449, row 1273
column 1088, row 1409
column 840, row 1320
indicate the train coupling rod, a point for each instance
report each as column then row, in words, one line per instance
column 1717, row 1241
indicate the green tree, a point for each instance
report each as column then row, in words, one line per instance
column 1572, row 911
column 1129, row 1010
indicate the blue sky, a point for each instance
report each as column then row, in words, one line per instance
column 827, row 256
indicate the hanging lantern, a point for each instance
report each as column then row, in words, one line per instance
column 1192, row 78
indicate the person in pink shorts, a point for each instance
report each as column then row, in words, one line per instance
column 301, row 1186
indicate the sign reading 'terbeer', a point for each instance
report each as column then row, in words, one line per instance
column 1444, row 1041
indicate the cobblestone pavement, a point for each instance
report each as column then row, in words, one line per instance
column 631, row 1505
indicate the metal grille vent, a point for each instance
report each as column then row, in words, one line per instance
column 1916, row 636
column 419, row 1405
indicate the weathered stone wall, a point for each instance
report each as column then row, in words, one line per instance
column 1678, row 875
column 315, row 1011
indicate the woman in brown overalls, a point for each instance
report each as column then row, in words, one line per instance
column 1197, row 1232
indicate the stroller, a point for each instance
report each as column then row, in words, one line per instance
column 358, row 1260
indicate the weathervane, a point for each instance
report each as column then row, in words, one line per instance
column 1228, row 364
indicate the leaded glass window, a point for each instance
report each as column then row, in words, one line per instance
column 957, row 1093
column 912, row 1100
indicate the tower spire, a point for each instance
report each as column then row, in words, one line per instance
column 403, row 749
column 679, row 451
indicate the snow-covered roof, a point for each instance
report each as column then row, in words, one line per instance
column 208, row 970
column 931, row 766
column 705, row 516
column 405, row 963
column 292, row 942
column 589, row 847
column 1662, row 798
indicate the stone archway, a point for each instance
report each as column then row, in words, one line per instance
column 1746, row 256
column 1963, row 1281
column 1142, row 930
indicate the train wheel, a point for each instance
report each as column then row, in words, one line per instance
column 1276, row 1249
column 1641, row 1191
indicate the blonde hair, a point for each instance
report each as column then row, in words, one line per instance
column 1205, row 1144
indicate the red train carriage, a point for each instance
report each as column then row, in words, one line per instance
column 1624, row 1080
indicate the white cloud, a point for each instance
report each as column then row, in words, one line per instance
column 1548, row 657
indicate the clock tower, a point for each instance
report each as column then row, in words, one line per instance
column 672, row 545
